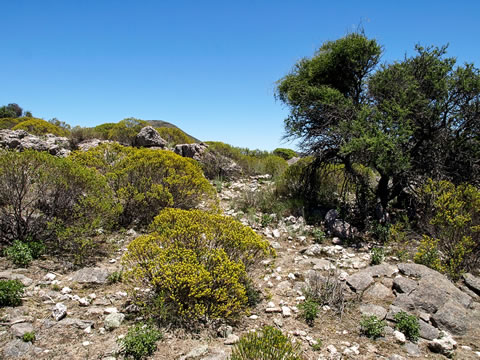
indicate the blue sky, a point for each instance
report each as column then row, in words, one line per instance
column 209, row 67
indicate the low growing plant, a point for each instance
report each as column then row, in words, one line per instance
column 29, row 336
column 408, row 325
column 140, row 341
column 267, row 344
column 19, row 253
column 309, row 311
column 377, row 256
column 11, row 292
column 372, row 327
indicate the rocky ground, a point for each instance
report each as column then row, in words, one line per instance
column 79, row 314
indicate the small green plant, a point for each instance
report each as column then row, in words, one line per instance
column 317, row 346
column 267, row 344
column 407, row 324
column 380, row 231
column 377, row 256
column 29, row 336
column 427, row 254
column 140, row 341
column 309, row 311
column 267, row 219
column 56, row 287
column 19, row 253
column 37, row 248
column 371, row 326
column 115, row 277
column 11, row 292
column 318, row 235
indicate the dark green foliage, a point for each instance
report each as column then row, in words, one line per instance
column 125, row 131
column 11, row 292
column 45, row 198
column 140, row 341
column 408, row 325
column 318, row 235
column 267, row 344
column 309, row 311
column 286, row 154
column 19, row 253
column 377, row 255
column 115, row 277
column 372, row 327
column 11, row 111
column 408, row 120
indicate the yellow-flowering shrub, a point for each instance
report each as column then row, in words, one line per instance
column 40, row 127
column 454, row 225
column 195, row 264
column 125, row 131
column 174, row 136
column 146, row 181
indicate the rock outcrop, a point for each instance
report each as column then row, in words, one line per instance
column 22, row 140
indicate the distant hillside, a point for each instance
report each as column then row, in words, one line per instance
column 161, row 123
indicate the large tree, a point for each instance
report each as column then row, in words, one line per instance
column 407, row 120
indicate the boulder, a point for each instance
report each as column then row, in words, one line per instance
column 21, row 329
column 9, row 275
column 377, row 292
column 472, row 282
column 91, row 276
column 149, row 137
column 194, row 151
column 428, row 331
column 360, row 281
column 370, row 309
column 113, row 321
column 20, row 349
column 404, row 285
column 452, row 317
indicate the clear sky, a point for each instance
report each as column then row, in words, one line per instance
column 209, row 67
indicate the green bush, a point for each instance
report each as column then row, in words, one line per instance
column 453, row 214
column 408, row 325
column 286, row 154
column 11, row 292
column 174, row 136
column 40, row 127
column 377, row 255
column 29, row 336
column 115, row 277
column 146, row 181
column 267, row 344
column 309, row 311
column 318, row 235
column 372, row 327
column 19, row 253
column 195, row 262
column 45, row 198
column 126, row 130
column 140, row 341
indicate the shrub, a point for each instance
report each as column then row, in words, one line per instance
column 29, row 336
column 372, row 327
column 140, row 341
column 11, row 292
column 195, row 262
column 267, row 344
column 115, row 277
column 174, row 136
column 427, row 254
column 408, row 324
column 454, row 225
column 318, row 235
column 377, row 256
column 326, row 290
column 19, row 253
column 43, row 197
column 286, row 154
column 126, row 130
column 40, row 127
column 146, row 181
column 9, row 122
column 309, row 311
